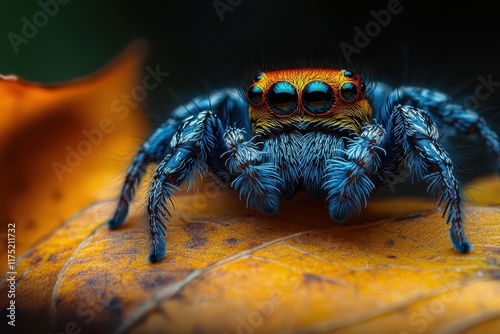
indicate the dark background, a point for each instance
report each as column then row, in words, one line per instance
column 446, row 47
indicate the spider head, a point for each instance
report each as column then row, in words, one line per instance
column 308, row 99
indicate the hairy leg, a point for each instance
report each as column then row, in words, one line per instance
column 348, row 181
column 414, row 131
column 229, row 107
column 152, row 151
column 440, row 106
column 256, row 181
column 191, row 148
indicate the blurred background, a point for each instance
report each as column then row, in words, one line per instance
column 209, row 44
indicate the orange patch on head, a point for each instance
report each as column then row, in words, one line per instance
column 334, row 96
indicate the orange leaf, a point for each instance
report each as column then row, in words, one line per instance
column 228, row 270
column 61, row 144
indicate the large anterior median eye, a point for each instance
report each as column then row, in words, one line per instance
column 317, row 97
column 282, row 98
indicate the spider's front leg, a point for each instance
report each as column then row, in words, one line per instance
column 231, row 107
column 196, row 145
column 257, row 181
column 414, row 132
column 348, row 181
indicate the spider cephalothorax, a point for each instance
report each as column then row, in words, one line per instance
column 313, row 108
column 308, row 99
column 312, row 129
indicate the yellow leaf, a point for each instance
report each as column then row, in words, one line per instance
column 228, row 270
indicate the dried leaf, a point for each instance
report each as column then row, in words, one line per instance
column 61, row 144
column 228, row 270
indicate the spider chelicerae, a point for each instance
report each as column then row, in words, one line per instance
column 317, row 130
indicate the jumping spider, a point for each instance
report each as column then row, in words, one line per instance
column 317, row 130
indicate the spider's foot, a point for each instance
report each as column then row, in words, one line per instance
column 157, row 250
column 269, row 205
column 118, row 218
column 337, row 214
column 154, row 257
column 260, row 185
column 459, row 240
column 341, row 207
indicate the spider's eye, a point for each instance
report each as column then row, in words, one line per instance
column 362, row 86
column 255, row 95
column 282, row 98
column 317, row 97
column 348, row 74
column 348, row 91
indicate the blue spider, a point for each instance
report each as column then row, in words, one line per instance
column 317, row 130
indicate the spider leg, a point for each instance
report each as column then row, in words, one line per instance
column 414, row 131
column 191, row 148
column 229, row 107
column 152, row 151
column 257, row 181
column 349, row 180
column 439, row 105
